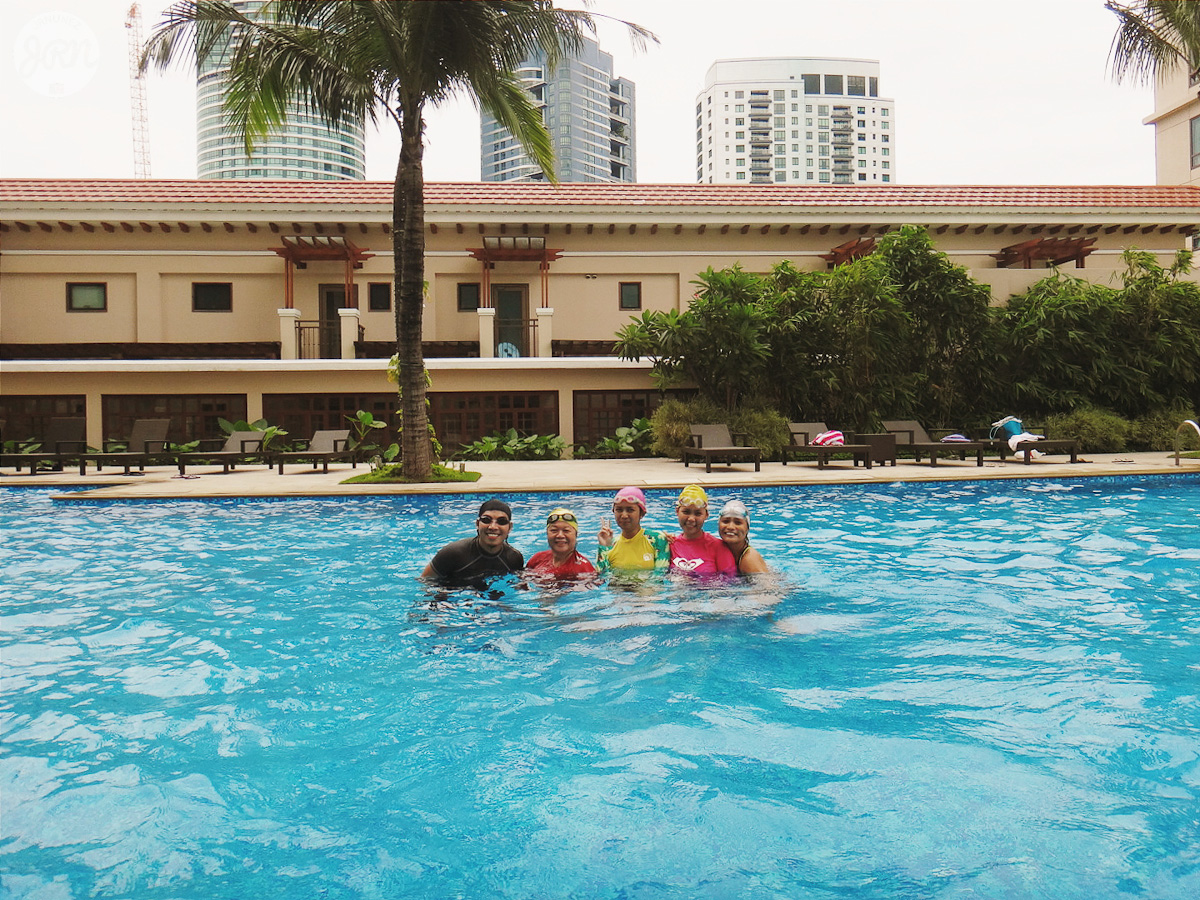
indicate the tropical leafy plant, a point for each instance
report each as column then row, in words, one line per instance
column 363, row 428
column 511, row 445
column 718, row 344
column 269, row 432
column 633, row 439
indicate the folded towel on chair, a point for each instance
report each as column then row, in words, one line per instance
column 829, row 439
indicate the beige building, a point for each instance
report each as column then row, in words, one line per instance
column 199, row 299
column 1176, row 121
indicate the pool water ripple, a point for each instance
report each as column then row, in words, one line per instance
column 950, row 690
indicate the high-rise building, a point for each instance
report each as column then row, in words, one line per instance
column 588, row 112
column 1176, row 121
column 304, row 147
column 789, row 120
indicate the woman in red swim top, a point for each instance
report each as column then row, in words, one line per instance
column 695, row 552
column 562, row 560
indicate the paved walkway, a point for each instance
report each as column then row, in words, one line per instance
column 574, row 475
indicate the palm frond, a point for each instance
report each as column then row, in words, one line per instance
column 1154, row 37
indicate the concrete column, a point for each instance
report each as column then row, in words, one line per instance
column 148, row 307
column 254, row 406
column 349, row 322
column 566, row 418
column 289, row 338
column 487, row 332
column 94, row 429
column 545, row 331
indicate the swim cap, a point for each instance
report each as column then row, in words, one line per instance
column 631, row 495
column 498, row 505
column 692, row 495
column 735, row 508
column 561, row 514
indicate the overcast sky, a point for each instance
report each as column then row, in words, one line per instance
column 986, row 91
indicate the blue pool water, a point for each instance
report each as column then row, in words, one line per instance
column 986, row 690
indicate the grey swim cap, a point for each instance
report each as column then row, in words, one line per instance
column 737, row 509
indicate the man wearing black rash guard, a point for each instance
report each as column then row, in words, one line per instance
column 488, row 553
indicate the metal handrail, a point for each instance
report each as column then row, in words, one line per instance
column 1182, row 429
column 528, row 331
column 320, row 340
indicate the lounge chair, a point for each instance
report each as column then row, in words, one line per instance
column 713, row 442
column 147, row 442
column 1027, row 448
column 65, row 440
column 239, row 447
column 324, row 447
column 912, row 436
column 802, row 437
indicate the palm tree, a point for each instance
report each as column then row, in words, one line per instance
column 1154, row 37
column 347, row 59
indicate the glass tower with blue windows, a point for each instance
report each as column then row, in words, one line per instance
column 589, row 114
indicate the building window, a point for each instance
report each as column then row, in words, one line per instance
column 1196, row 142
column 812, row 84
column 631, row 295
column 856, row 85
column 833, row 84
column 212, row 296
column 468, row 296
column 379, row 296
column 87, row 297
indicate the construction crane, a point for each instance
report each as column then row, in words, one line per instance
column 137, row 95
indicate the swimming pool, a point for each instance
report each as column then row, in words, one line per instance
column 954, row 690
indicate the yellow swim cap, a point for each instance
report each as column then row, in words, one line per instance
column 692, row 495
column 561, row 514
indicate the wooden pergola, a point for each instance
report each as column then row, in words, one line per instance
column 849, row 251
column 518, row 248
column 300, row 251
column 1054, row 250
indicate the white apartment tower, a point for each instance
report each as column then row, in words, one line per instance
column 588, row 112
column 794, row 120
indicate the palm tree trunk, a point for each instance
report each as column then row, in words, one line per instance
column 408, row 249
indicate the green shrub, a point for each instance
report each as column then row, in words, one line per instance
column 764, row 428
column 1156, row 430
column 670, row 423
column 1098, row 430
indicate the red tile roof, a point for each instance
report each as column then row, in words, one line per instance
column 18, row 192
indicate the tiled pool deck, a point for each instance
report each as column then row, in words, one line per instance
column 572, row 475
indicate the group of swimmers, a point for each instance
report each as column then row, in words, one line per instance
column 632, row 548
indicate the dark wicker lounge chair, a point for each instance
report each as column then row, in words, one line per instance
column 65, row 441
column 713, row 442
column 912, row 436
column 1026, row 448
column 802, row 436
column 239, row 447
column 324, row 447
column 147, row 443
